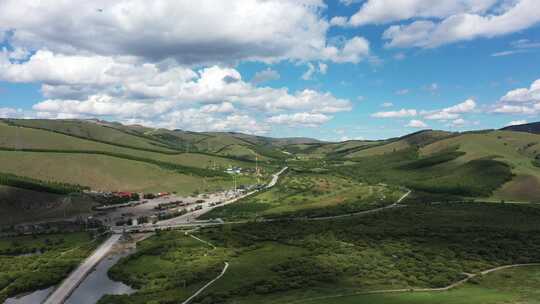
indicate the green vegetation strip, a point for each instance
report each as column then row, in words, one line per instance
column 29, row 263
column 515, row 285
column 433, row 160
column 164, row 165
column 437, row 174
column 28, row 183
column 421, row 246
column 298, row 195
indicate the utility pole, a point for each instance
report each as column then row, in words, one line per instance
column 257, row 172
column 17, row 141
column 234, row 180
column 257, row 169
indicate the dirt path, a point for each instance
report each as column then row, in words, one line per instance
column 198, row 292
column 446, row 288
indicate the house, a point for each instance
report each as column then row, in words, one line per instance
column 234, row 170
column 124, row 194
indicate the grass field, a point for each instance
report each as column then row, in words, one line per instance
column 518, row 285
column 301, row 194
column 26, row 138
column 515, row 148
column 322, row 150
column 59, row 255
column 413, row 140
column 94, row 131
column 106, row 173
column 421, row 245
column 168, row 267
column 438, row 173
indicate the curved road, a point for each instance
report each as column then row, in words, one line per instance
column 182, row 223
column 187, row 220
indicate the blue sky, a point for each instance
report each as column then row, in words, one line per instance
column 253, row 77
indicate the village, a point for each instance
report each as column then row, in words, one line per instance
column 128, row 209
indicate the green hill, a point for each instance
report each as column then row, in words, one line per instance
column 517, row 149
column 417, row 139
column 225, row 144
column 95, row 131
column 533, row 128
column 83, row 152
column 112, row 156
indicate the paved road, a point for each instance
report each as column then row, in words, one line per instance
column 61, row 293
column 275, row 178
column 198, row 224
column 189, row 219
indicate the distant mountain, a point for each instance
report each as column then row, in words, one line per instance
column 533, row 127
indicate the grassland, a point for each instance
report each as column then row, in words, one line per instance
column 106, row 173
column 93, row 131
column 421, row 245
column 438, row 173
column 306, row 194
column 27, row 138
column 230, row 145
column 410, row 141
column 514, row 148
column 58, row 255
column 171, row 266
column 518, row 285
column 323, row 150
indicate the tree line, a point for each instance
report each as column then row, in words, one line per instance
column 29, row 183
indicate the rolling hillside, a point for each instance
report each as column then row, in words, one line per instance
column 533, row 128
column 225, row 144
column 417, row 139
column 517, row 149
column 107, row 156
column 441, row 162
column 110, row 156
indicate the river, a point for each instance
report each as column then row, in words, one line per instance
column 94, row 286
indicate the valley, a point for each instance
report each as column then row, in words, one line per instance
column 294, row 220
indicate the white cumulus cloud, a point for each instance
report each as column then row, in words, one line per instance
column 395, row 114
column 463, row 26
column 265, row 76
column 524, row 101
column 300, row 119
column 384, row 11
column 215, row 32
column 416, row 124
column 452, row 112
